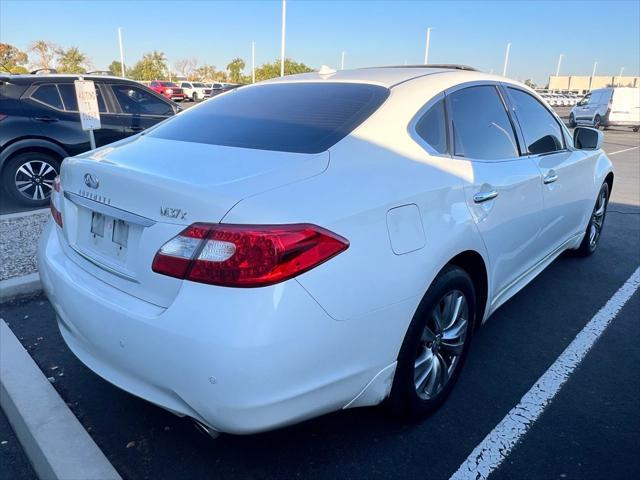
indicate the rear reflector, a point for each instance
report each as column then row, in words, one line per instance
column 55, row 202
column 246, row 255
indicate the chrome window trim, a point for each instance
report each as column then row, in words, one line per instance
column 108, row 210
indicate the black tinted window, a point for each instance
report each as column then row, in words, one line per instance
column 68, row 93
column 542, row 133
column 136, row 101
column 481, row 127
column 48, row 94
column 432, row 127
column 293, row 117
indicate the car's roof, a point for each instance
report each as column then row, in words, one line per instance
column 30, row 78
column 385, row 76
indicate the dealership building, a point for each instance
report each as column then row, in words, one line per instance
column 582, row 84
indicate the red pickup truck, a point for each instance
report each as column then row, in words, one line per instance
column 168, row 89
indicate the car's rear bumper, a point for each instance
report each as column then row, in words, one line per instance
column 238, row 360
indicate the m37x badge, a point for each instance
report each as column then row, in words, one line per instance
column 173, row 213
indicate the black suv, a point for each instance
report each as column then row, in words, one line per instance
column 40, row 125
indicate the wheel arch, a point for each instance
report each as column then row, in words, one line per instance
column 31, row 145
column 473, row 263
column 609, row 180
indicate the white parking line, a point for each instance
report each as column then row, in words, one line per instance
column 622, row 151
column 497, row 445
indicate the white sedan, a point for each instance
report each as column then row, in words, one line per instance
column 317, row 242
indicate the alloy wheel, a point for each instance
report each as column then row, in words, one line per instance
column 34, row 179
column 441, row 344
column 597, row 219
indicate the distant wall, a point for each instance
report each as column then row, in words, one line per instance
column 586, row 83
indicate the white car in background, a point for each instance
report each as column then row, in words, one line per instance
column 196, row 91
column 607, row 107
column 333, row 242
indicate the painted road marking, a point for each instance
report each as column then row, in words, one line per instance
column 622, row 151
column 497, row 445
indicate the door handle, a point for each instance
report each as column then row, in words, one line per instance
column 45, row 118
column 550, row 177
column 481, row 197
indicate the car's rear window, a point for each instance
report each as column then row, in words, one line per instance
column 289, row 117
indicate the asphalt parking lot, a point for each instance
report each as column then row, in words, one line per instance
column 589, row 431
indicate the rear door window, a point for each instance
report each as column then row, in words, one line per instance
column 49, row 95
column 68, row 93
column 300, row 117
column 481, row 127
column 432, row 127
column 541, row 130
column 136, row 101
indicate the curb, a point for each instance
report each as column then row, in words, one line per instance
column 52, row 437
column 15, row 287
column 9, row 216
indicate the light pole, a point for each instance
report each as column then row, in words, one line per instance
column 342, row 62
column 121, row 51
column 253, row 62
column 559, row 63
column 426, row 47
column 593, row 74
column 620, row 75
column 282, row 38
column 506, row 60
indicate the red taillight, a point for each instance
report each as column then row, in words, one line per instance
column 246, row 255
column 55, row 202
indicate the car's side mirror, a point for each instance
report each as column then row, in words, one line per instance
column 585, row 138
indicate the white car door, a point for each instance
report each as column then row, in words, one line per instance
column 567, row 175
column 504, row 192
column 582, row 109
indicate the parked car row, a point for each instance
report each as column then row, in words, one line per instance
column 561, row 99
column 40, row 125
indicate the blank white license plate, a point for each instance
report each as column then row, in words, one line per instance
column 107, row 230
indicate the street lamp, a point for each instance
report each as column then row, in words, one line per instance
column 426, row 48
column 282, row 37
column 506, row 60
column 121, row 51
column 559, row 62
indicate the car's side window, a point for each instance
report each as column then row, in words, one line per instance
column 68, row 93
column 481, row 125
column 542, row 133
column 432, row 127
column 49, row 95
column 136, row 101
column 185, row 85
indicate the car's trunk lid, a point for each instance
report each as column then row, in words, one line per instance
column 122, row 202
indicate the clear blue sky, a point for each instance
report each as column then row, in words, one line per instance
column 371, row 32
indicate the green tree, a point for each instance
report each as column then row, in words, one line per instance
column 235, row 68
column 42, row 54
column 272, row 70
column 12, row 60
column 152, row 66
column 72, row 60
column 115, row 68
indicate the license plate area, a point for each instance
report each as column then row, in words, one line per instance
column 108, row 237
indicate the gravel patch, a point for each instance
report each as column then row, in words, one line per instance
column 18, row 242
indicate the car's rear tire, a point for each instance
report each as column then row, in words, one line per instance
column 592, row 235
column 435, row 346
column 597, row 122
column 28, row 177
column 572, row 121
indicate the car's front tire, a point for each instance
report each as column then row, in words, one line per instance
column 572, row 121
column 592, row 235
column 597, row 122
column 28, row 177
column 435, row 346
column 194, row 97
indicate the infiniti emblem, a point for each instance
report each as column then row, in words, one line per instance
column 91, row 181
